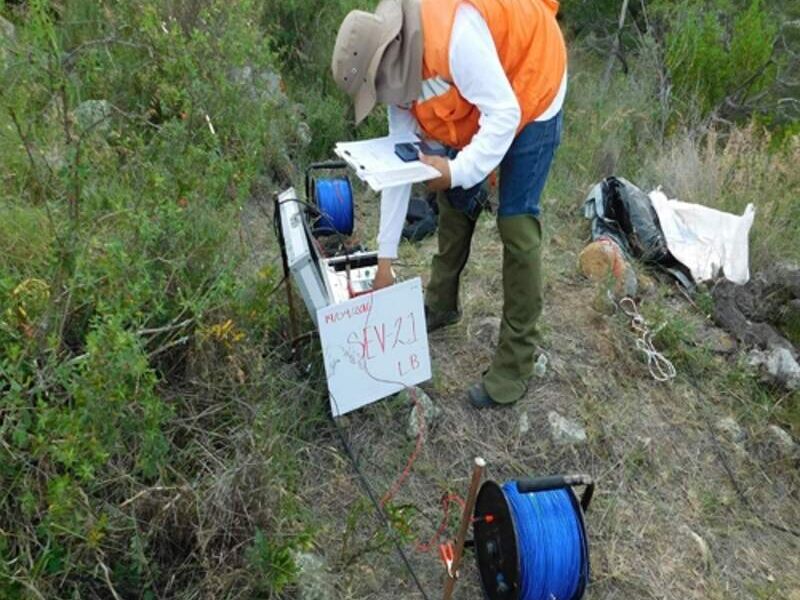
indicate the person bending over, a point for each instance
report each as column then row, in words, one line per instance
column 487, row 79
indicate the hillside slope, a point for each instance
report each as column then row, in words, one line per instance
column 160, row 437
column 668, row 520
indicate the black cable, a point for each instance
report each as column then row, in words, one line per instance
column 745, row 501
column 279, row 203
column 729, row 471
column 384, row 520
column 274, row 290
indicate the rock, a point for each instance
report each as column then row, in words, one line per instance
column 7, row 37
column 271, row 82
column 647, row 285
column 603, row 260
column 264, row 86
column 781, row 443
column 565, row 431
column 55, row 157
column 756, row 312
column 718, row 341
column 524, row 424
column 93, row 116
column 486, row 332
column 315, row 581
column 304, row 134
column 430, row 412
column 540, row 368
column 779, row 366
column 790, row 323
column 728, row 427
column 7, row 31
column 701, row 545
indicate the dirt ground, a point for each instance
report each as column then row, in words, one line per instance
column 668, row 519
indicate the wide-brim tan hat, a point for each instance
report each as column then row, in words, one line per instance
column 361, row 43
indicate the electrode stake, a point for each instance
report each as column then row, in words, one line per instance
column 466, row 520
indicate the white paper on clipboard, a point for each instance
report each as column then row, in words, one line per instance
column 376, row 163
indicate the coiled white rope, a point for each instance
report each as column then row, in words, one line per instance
column 660, row 367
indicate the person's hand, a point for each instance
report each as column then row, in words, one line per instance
column 384, row 277
column 441, row 164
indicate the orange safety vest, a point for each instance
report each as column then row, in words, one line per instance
column 531, row 49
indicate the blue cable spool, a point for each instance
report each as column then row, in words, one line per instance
column 334, row 199
column 530, row 538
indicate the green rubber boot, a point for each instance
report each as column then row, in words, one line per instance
column 455, row 237
column 506, row 381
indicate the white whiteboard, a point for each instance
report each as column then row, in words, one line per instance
column 374, row 345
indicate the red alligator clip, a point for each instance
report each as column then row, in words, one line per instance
column 447, row 554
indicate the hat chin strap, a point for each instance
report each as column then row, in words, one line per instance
column 399, row 76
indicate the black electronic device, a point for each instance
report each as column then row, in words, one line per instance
column 406, row 152
column 431, row 148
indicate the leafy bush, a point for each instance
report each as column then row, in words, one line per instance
column 130, row 309
column 273, row 564
column 723, row 57
column 302, row 35
column 719, row 63
column 595, row 17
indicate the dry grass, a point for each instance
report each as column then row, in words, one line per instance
column 668, row 521
column 731, row 171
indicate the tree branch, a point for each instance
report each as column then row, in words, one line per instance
column 69, row 58
column 615, row 51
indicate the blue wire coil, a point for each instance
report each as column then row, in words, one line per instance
column 334, row 198
column 551, row 541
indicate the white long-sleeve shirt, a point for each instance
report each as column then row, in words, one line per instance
column 479, row 76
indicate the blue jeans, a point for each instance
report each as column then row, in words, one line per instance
column 523, row 172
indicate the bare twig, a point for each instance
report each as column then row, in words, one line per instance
column 165, row 347
column 29, row 151
column 615, row 51
column 644, row 12
column 152, row 490
column 165, row 328
column 107, row 577
column 34, row 169
column 134, row 117
column 112, row 40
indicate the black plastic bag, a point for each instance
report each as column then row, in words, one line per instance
column 622, row 212
column 422, row 218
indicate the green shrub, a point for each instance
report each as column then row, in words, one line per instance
column 273, row 564
column 595, row 17
column 712, row 60
column 129, row 307
column 302, row 36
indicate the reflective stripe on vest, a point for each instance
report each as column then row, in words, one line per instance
column 435, row 86
column 531, row 50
